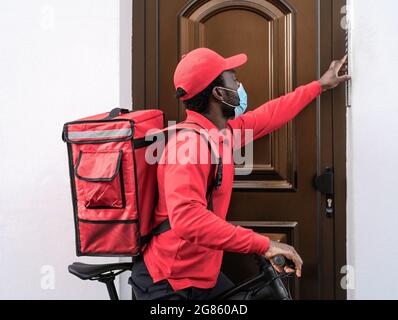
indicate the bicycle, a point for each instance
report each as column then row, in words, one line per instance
column 267, row 285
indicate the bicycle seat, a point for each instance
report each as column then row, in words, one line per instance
column 88, row 271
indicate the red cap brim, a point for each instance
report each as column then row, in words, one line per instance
column 235, row 61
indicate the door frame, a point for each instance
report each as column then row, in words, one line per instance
column 331, row 113
column 339, row 151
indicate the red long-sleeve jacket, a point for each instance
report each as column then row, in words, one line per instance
column 190, row 254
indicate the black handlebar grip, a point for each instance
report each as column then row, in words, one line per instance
column 280, row 261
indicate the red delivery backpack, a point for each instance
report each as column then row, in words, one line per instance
column 114, row 188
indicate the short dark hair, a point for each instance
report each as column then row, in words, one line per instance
column 200, row 102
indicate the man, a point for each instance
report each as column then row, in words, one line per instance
column 184, row 262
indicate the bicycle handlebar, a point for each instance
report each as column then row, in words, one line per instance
column 278, row 260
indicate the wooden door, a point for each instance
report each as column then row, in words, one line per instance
column 288, row 43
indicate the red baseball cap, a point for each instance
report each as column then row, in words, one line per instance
column 200, row 67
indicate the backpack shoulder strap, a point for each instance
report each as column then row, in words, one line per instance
column 216, row 173
column 217, row 176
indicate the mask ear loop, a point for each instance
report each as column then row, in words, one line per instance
column 240, row 83
column 228, row 104
column 228, row 89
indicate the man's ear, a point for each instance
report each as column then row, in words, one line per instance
column 217, row 94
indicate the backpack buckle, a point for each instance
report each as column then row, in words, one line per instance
column 219, row 173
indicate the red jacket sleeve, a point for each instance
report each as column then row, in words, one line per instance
column 185, row 186
column 273, row 114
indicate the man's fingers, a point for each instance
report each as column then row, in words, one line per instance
column 344, row 78
column 298, row 268
column 333, row 65
column 336, row 65
column 289, row 253
column 342, row 62
column 296, row 259
column 276, row 267
column 289, row 270
column 298, row 263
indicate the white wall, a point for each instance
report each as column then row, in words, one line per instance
column 372, row 150
column 59, row 60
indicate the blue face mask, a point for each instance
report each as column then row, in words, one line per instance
column 241, row 108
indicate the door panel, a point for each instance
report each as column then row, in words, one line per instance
column 270, row 59
column 288, row 43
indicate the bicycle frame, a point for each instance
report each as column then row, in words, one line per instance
column 265, row 286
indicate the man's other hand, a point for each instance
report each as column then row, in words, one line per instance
column 277, row 248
